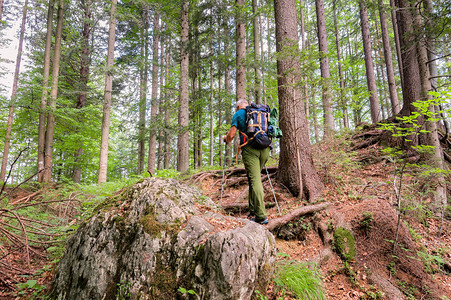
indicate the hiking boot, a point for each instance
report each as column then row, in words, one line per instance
column 251, row 216
column 264, row 221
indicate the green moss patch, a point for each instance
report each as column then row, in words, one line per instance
column 344, row 244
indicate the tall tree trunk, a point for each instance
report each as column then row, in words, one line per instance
column 436, row 155
column 228, row 90
column 369, row 66
column 411, row 89
column 161, row 109
column 200, row 137
column 44, row 96
column 296, row 169
column 262, row 59
column 388, row 61
column 212, row 135
column 240, row 51
column 430, row 45
column 13, row 95
column 183, row 118
column 84, row 76
column 167, row 117
column 48, row 148
column 258, row 73
column 396, row 33
column 154, row 101
column 144, row 66
column 325, row 70
column 315, row 117
column 1, row 9
column 304, row 46
column 103, row 162
column 343, row 103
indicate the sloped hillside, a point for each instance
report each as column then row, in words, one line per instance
column 402, row 249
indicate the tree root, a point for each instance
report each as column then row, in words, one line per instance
column 275, row 223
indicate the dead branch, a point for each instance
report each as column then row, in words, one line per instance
column 366, row 143
column 31, row 231
column 11, row 168
column 273, row 224
column 366, row 134
column 236, row 181
column 26, row 198
column 27, row 247
column 26, row 180
column 44, row 202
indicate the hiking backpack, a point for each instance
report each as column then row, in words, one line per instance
column 257, row 120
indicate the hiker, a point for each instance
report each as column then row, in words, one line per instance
column 254, row 161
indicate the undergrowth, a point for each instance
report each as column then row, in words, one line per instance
column 298, row 279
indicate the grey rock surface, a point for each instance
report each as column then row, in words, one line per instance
column 152, row 240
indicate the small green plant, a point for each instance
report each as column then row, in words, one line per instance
column 259, row 295
column 123, row 290
column 298, row 279
column 432, row 263
column 408, row 290
column 352, row 275
column 367, row 221
column 374, row 295
column 31, row 286
column 185, row 291
column 392, row 268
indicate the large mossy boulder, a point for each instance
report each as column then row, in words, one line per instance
column 160, row 236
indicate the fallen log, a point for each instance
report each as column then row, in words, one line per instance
column 273, row 224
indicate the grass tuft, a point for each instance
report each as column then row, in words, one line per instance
column 298, row 279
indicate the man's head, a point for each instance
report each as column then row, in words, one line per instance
column 241, row 103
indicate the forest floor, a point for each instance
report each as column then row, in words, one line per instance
column 359, row 186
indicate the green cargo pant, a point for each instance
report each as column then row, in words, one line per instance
column 254, row 160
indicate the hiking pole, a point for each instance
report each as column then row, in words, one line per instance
column 223, row 176
column 274, row 194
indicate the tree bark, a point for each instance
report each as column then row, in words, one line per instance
column 154, row 100
column 143, row 66
column 183, row 118
column 84, row 76
column 240, row 51
column 411, row 89
column 13, row 95
column 325, row 70
column 103, row 162
column 369, row 65
column 432, row 58
column 297, row 171
column 161, row 108
column 258, row 73
column 343, row 103
column 1, row 9
column 44, row 96
column 48, row 147
column 394, row 20
column 167, row 116
column 388, row 61
column 275, row 223
column 436, row 155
